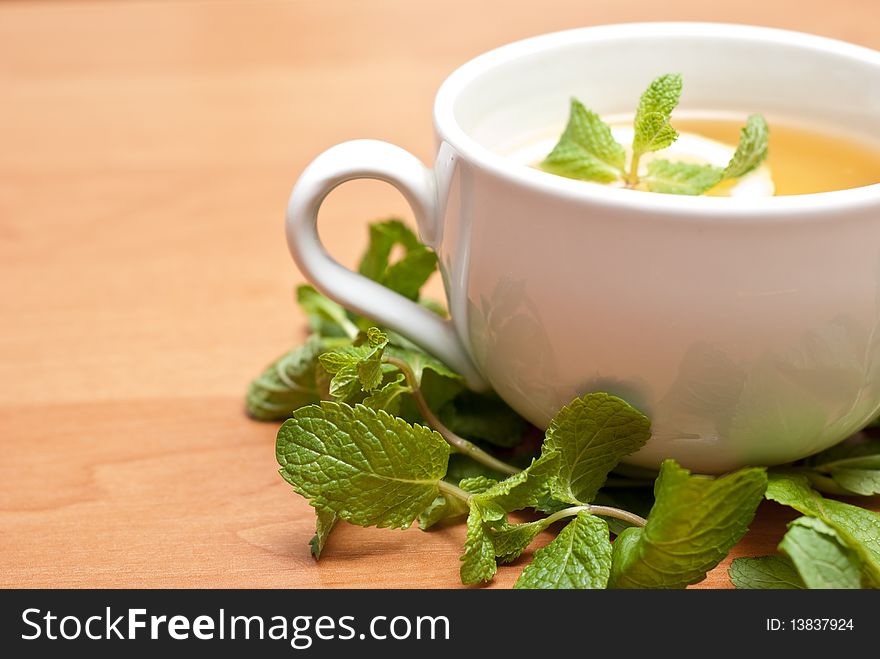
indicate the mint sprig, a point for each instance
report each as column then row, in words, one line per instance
column 587, row 151
column 653, row 130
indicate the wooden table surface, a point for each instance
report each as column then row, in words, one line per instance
column 146, row 153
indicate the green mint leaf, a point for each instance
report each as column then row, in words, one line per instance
column 406, row 276
column 345, row 384
column 859, row 529
column 765, row 573
column 682, row 178
column 821, row 558
column 477, row 484
column 586, row 150
column 286, row 384
column 478, row 561
column 858, row 481
column 325, row 520
column 356, row 367
column 851, row 468
column 370, row 367
column 591, row 434
column 752, row 148
column 511, row 540
column 521, row 490
column 410, row 273
column 326, row 317
column 383, row 236
column 445, row 507
column 652, row 128
column 368, row 467
column 483, row 417
column 852, row 455
column 692, row 526
column 439, row 509
column 387, row 397
column 579, row 557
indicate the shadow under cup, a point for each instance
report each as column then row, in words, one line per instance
column 746, row 329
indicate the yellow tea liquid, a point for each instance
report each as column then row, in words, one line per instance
column 802, row 159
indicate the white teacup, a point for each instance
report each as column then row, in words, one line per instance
column 747, row 329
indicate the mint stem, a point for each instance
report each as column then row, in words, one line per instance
column 602, row 511
column 632, row 178
column 458, row 443
column 448, row 489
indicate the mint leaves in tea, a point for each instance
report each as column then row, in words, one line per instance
column 701, row 155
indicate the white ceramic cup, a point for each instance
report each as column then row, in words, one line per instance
column 747, row 329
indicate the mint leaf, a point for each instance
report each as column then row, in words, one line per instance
column 511, row 540
column 851, row 468
column 853, row 455
column 579, row 557
column 521, row 490
column 439, row 509
column 477, row 484
column 478, row 561
column 407, row 275
column 356, row 367
column 681, row 177
column 765, row 573
column 325, row 520
column 591, row 434
column 752, row 148
column 858, row 481
column 366, row 466
column 586, row 150
column 370, row 367
column 286, row 384
column 387, row 397
column 820, row 556
column 444, row 507
column 326, row 317
column 693, row 524
column 859, row 529
column 652, row 128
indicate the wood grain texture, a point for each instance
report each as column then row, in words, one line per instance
column 146, row 154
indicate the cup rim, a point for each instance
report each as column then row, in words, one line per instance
column 813, row 204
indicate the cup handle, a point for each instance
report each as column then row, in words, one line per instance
column 375, row 160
